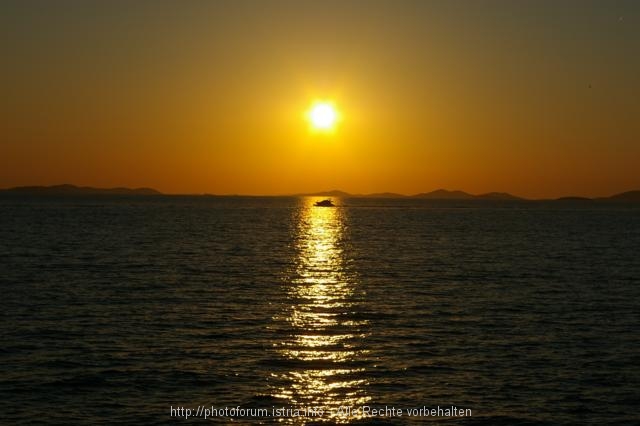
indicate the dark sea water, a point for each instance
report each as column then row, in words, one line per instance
column 116, row 310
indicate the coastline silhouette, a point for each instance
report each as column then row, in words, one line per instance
column 439, row 194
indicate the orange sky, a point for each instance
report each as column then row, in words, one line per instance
column 540, row 99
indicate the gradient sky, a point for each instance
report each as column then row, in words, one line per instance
column 539, row 98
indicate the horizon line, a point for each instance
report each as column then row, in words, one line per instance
column 455, row 194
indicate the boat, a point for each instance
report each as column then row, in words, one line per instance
column 324, row 203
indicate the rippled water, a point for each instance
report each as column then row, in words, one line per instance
column 119, row 309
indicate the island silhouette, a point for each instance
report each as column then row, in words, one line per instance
column 444, row 194
column 72, row 190
column 438, row 194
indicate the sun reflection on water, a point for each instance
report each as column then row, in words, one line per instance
column 323, row 348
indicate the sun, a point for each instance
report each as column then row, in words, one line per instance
column 323, row 116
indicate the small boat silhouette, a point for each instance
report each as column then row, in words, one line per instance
column 324, row 203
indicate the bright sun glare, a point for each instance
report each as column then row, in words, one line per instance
column 323, row 116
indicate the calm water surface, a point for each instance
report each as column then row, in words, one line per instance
column 118, row 309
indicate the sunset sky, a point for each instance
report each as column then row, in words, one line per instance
column 540, row 99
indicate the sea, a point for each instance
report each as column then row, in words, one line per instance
column 264, row 310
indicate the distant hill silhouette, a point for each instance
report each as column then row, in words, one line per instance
column 498, row 196
column 626, row 196
column 444, row 194
column 72, row 190
column 439, row 194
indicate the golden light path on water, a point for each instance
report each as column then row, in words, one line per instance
column 323, row 346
